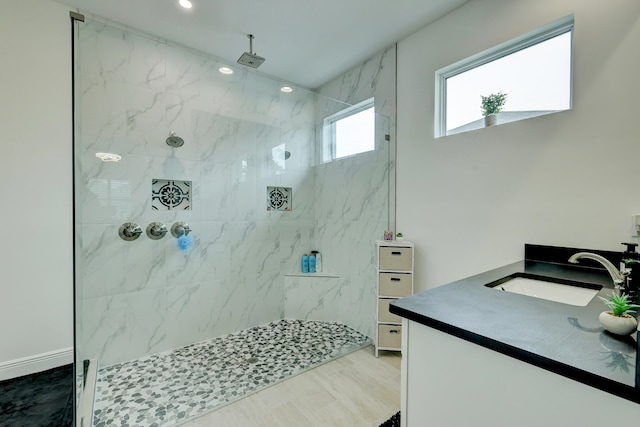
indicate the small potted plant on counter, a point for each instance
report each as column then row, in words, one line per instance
column 399, row 237
column 491, row 106
column 618, row 320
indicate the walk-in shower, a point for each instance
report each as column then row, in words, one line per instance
column 137, row 299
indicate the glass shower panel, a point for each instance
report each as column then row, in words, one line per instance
column 352, row 210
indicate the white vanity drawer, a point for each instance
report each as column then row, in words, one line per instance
column 395, row 258
column 383, row 311
column 395, row 284
column 390, row 336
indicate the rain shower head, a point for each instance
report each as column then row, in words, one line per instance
column 250, row 59
column 174, row 141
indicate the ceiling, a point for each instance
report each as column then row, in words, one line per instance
column 304, row 42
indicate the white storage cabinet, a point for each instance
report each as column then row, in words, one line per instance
column 394, row 264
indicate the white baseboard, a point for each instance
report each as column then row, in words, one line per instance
column 36, row 363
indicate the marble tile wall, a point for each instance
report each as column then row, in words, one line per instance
column 137, row 298
column 312, row 298
column 349, row 221
column 146, row 296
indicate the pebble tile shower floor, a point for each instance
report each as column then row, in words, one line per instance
column 169, row 388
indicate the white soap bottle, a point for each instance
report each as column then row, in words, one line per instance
column 318, row 261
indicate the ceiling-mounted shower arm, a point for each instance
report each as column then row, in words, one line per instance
column 250, row 43
column 250, row 59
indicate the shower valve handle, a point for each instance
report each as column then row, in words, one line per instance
column 156, row 230
column 180, row 228
column 129, row 231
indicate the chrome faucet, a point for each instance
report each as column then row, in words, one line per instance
column 619, row 277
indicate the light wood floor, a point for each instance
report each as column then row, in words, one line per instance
column 356, row 390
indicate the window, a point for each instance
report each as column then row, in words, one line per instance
column 533, row 70
column 350, row 131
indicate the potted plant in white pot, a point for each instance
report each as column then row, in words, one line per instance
column 491, row 106
column 399, row 237
column 618, row 320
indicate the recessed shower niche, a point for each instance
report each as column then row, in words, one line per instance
column 170, row 195
column 279, row 199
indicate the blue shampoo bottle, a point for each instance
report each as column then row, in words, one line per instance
column 305, row 263
column 312, row 263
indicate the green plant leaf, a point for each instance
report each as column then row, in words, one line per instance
column 619, row 304
column 493, row 103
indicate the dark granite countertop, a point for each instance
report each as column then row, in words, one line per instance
column 561, row 338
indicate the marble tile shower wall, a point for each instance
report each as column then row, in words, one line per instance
column 346, row 236
column 348, row 221
column 141, row 297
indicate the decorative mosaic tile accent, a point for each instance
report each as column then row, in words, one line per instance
column 278, row 199
column 171, row 387
column 168, row 195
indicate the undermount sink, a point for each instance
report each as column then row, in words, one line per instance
column 558, row 290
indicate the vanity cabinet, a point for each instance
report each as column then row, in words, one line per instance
column 394, row 279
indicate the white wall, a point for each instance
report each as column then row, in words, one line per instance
column 36, row 291
column 471, row 201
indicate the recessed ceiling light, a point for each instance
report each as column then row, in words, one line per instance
column 108, row 157
column 225, row 70
column 185, row 3
column 286, row 89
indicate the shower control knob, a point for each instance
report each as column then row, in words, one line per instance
column 156, row 230
column 129, row 231
column 180, row 228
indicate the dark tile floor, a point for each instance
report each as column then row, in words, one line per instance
column 394, row 421
column 44, row 399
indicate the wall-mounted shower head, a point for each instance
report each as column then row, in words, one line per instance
column 174, row 141
column 250, row 59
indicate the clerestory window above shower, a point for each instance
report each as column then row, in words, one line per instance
column 350, row 131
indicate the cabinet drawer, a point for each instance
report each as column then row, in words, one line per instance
column 395, row 284
column 394, row 258
column 390, row 336
column 383, row 311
